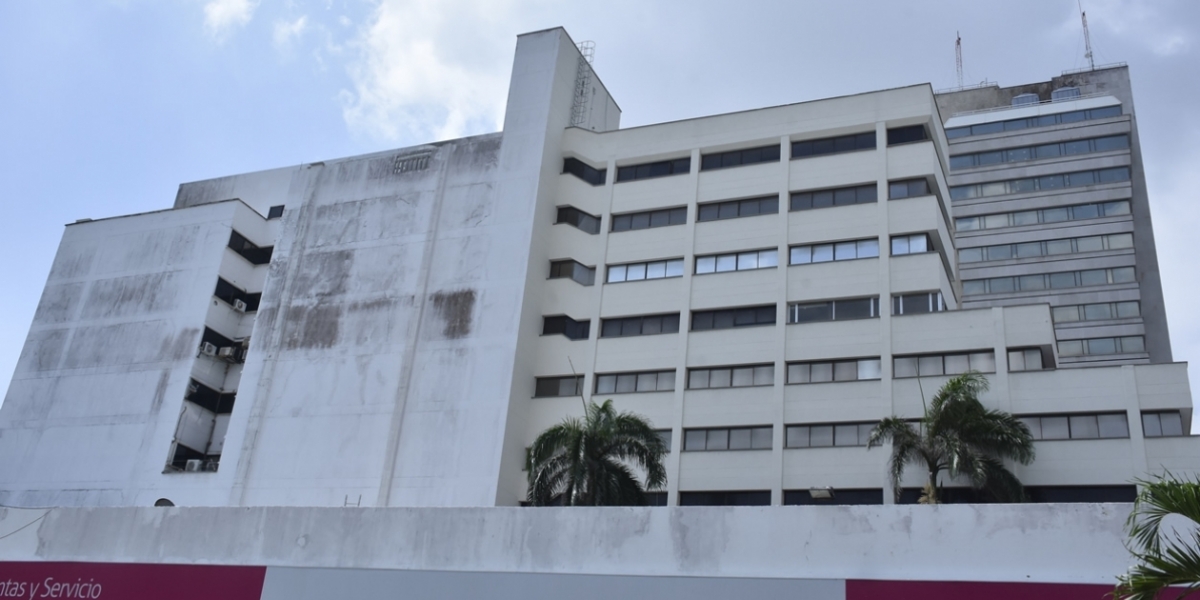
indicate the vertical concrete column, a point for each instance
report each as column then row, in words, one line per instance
column 1137, row 438
column 779, row 439
column 675, row 459
column 1000, row 394
column 883, row 226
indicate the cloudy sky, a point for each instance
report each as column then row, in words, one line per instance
column 106, row 106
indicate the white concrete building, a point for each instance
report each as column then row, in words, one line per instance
column 394, row 329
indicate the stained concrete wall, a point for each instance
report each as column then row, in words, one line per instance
column 1075, row 543
column 97, row 392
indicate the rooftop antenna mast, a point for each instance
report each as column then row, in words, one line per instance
column 958, row 58
column 1087, row 38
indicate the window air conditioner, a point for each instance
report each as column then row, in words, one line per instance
column 210, row 466
column 228, row 353
column 193, row 465
column 208, row 349
column 239, row 305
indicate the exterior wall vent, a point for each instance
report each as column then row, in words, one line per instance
column 1023, row 99
column 407, row 164
column 1064, row 93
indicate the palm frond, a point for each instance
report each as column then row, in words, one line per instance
column 1163, row 496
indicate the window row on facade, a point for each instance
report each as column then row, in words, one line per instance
column 746, row 156
column 1058, row 214
column 1074, row 116
column 1044, row 183
column 1130, row 344
column 1092, row 243
column 1049, row 281
column 1040, row 152
column 1100, row 311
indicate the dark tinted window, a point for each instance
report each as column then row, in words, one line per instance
column 569, row 269
column 736, row 158
column 575, row 330
column 732, row 209
column 905, row 135
column 859, row 194
column 640, row 325
column 1042, row 121
column 840, row 496
column 908, row 188
column 756, row 498
column 275, row 212
column 581, row 220
column 728, row 318
column 833, row 145
column 647, row 219
column 232, row 294
column 248, row 250
column 584, row 171
column 678, row 166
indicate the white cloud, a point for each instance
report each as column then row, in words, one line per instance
column 222, row 16
column 287, row 32
column 430, row 69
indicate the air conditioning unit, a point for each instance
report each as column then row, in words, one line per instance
column 208, row 349
column 194, row 465
column 210, row 466
column 229, row 353
column 239, row 306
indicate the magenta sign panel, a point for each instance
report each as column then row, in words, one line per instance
column 116, row 581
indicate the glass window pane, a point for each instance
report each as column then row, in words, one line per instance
column 845, row 251
column 698, row 379
column 864, row 433
column 930, row 365
column 904, row 366
column 869, row 368
column 606, row 384
column 656, row 270
column 897, row 190
column 1085, row 211
column 974, row 286
column 797, row 373
column 631, row 326
column 1070, row 348
column 961, row 162
column 706, row 264
column 666, row 381
column 739, row 439
column 1065, row 314
column 899, row 245
column 1055, row 428
column 719, row 378
column 801, row 255
column 984, row 362
column 1120, row 241
column 966, row 224
column 821, row 372
column 647, row 382
column 969, row 255
column 626, row 383
column 768, row 258
column 660, row 218
column 1094, row 312
column 764, row 375
column 709, row 212
column 747, row 260
column 1055, row 215
column 1093, row 243
column 1035, row 426
column 989, row 158
column 822, row 253
column 1126, row 310
column 845, row 435
column 748, row 208
column 695, row 439
column 1058, row 247
column 1113, row 426
column 1102, row 346
column 761, row 438
column 1033, row 360
column 743, row 377
column 1062, row 280
column 1083, row 427
column 1026, row 217
column 1001, row 285
column 616, row 274
column 675, row 268
column 918, row 243
column 995, row 188
column 797, row 437
column 718, row 439
column 844, row 197
column 639, row 221
column 820, row 436
column 862, row 308
column 1093, row 277
column 1123, row 275
column 1018, row 155
column 822, row 199
column 957, row 364
column 1151, row 426
column 635, row 272
column 845, row 370
column 1029, row 249
column 1172, row 423
column 1133, row 343
column 723, row 319
column 1016, row 360
column 1116, row 208
column 726, row 263
column 1004, row 252
column 728, row 210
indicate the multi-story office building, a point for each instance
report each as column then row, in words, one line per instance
column 1050, row 204
column 394, row 329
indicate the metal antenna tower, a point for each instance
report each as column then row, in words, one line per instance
column 583, row 80
column 1087, row 39
column 958, row 58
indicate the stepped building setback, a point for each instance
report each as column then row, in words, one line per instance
column 394, row 329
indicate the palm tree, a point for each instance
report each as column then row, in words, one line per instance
column 1175, row 563
column 587, row 462
column 957, row 434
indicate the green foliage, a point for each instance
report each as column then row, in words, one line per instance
column 586, row 462
column 959, row 435
column 1163, row 560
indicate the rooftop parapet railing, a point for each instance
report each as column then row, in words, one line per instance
column 1038, row 103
